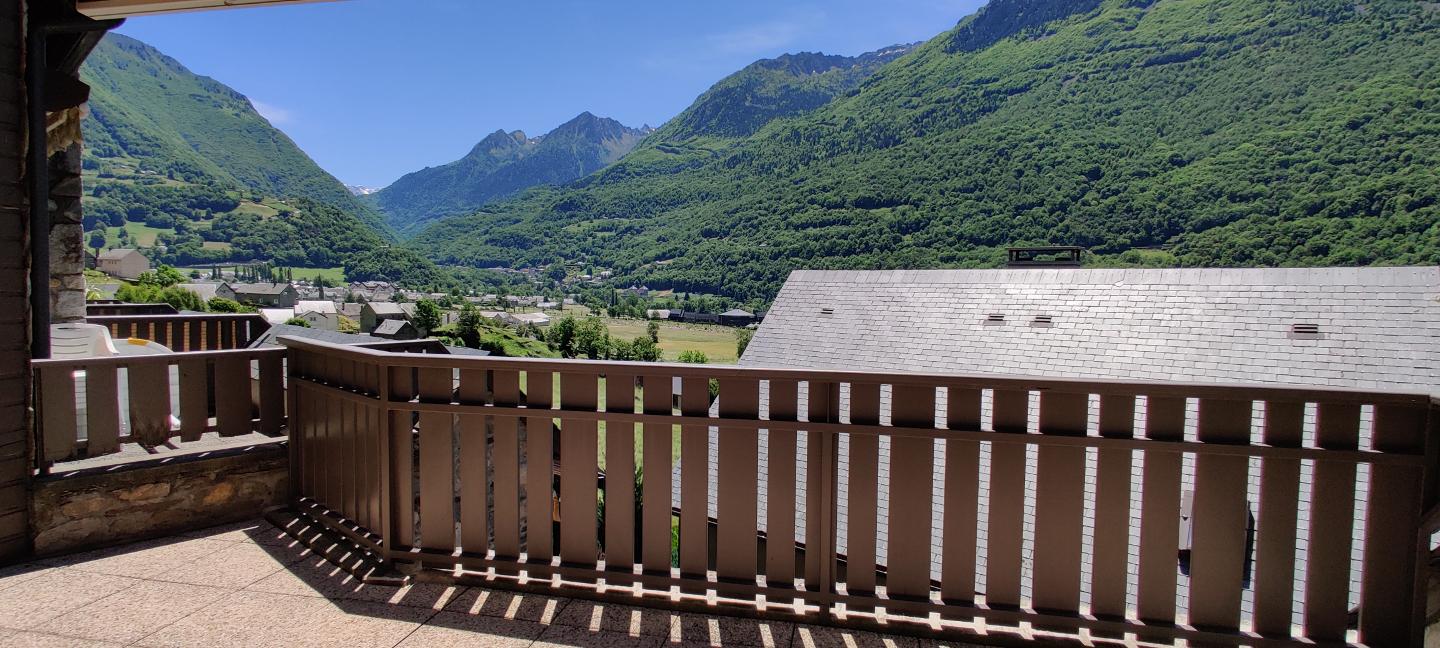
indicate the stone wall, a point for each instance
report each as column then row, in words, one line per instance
column 67, row 231
column 72, row 513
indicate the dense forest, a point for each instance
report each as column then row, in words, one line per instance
column 1180, row 132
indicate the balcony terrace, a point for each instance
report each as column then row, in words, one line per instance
column 393, row 468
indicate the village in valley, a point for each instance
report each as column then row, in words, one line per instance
column 596, row 320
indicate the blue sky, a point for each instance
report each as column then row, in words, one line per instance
column 374, row 89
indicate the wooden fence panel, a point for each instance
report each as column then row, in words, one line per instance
column 540, row 473
column 1007, row 501
column 780, row 487
column 1332, row 512
column 619, row 473
column 1274, row 578
column 962, row 496
column 1160, row 512
column 1219, row 520
column 437, row 460
column 578, row 465
column 912, row 476
column 102, row 409
column 1059, row 504
column 861, row 489
column 739, row 458
column 1112, row 509
column 57, row 394
column 505, row 455
column 656, row 464
column 1390, row 607
column 694, row 484
column 474, row 469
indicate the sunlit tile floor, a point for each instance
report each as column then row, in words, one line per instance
column 250, row 584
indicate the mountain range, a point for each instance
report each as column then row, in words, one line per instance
column 1169, row 132
column 187, row 163
column 502, row 164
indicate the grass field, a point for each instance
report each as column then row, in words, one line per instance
column 141, row 235
column 334, row 275
column 717, row 342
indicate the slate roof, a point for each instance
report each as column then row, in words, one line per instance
column 324, row 306
column 118, row 253
column 386, row 308
column 260, row 288
column 1379, row 329
column 391, row 327
column 268, row 337
column 206, row 291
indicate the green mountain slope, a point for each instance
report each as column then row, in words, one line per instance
column 166, row 146
column 1231, row 132
column 502, row 164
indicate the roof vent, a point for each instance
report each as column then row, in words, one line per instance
column 827, row 311
column 994, row 318
column 1043, row 321
column 1303, row 331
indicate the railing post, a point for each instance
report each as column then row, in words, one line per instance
column 385, row 430
column 823, row 497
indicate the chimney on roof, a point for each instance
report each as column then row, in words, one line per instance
column 1054, row 256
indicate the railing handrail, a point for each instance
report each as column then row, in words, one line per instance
column 168, row 317
column 1102, row 386
column 164, row 358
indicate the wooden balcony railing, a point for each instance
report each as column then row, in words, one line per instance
column 188, row 332
column 89, row 407
column 111, row 307
column 377, row 438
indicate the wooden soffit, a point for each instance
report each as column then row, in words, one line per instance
column 101, row 9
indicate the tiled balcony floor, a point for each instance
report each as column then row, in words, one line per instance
column 252, row 585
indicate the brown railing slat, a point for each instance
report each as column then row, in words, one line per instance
column 1219, row 520
column 861, row 490
column 1007, row 501
column 1059, row 504
column 102, row 410
column 1274, row 578
column 57, row 403
column 821, row 483
column 578, row 459
column 736, row 556
column 402, row 461
column 194, row 399
column 962, row 493
column 694, row 484
column 656, row 512
column 1332, row 511
column 348, row 452
column 272, row 395
column 506, row 457
column 912, row 478
column 619, row 473
column 540, row 477
column 1112, row 510
column 1160, row 512
column 474, row 471
column 232, row 396
column 1388, row 591
column 437, row 460
column 150, row 402
column 780, row 487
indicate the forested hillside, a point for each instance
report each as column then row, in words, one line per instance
column 183, row 161
column 503, row 164
column 1194, row 132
